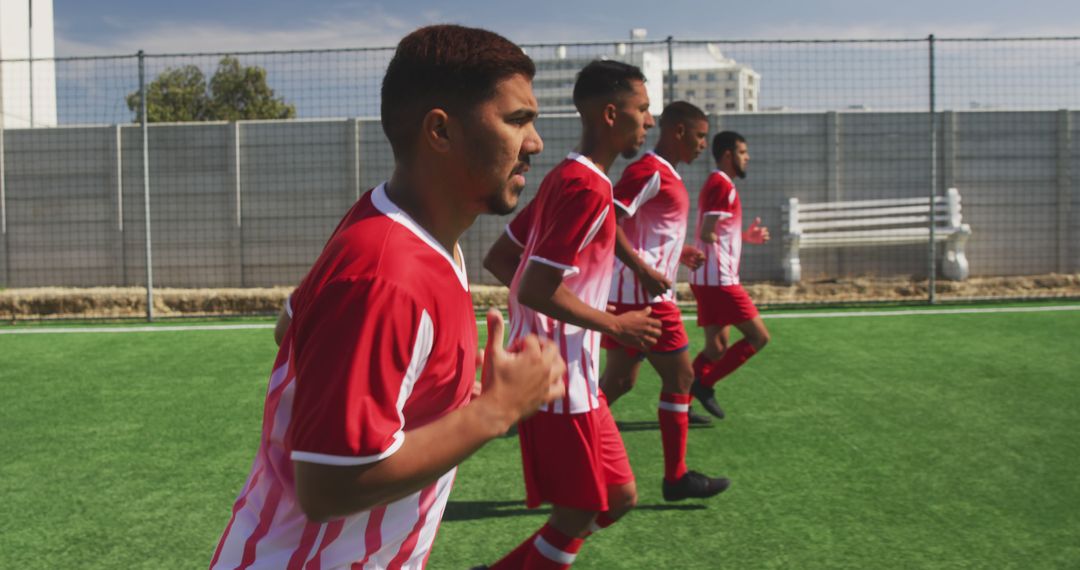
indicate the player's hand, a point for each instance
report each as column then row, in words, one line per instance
column 653, row 281
column 757, row 233
column 637, row 329
column 517, row 382
column 692, row 257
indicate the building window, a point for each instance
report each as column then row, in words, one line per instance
column 749, row 106
column 710, row 106
column 712, row 93
column 729, row 105
column 691, row 93
column 729, row 92
column 731, row 76
column 694, row 77
column 710, row 76
column 749, row 79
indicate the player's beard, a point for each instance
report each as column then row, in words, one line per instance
column 500, row 202
column 740, row 171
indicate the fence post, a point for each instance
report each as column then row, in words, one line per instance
column 932, row 270
column 832, row 176
column 352, row 132
column 146, row 187
column 236, row 277
column 4, row 275
column 120, row 270
column 670, row 70
column 1064, row 185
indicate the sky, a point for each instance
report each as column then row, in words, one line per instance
column 106, row 27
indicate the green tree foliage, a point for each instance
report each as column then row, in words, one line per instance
column 235, row 92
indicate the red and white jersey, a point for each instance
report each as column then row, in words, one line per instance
column 719, row 198
column 652, row 196
column 382, row 341
column 569, row 225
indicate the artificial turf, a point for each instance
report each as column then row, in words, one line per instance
column 924, row 441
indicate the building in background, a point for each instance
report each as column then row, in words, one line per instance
column 702, row 75
column 27, row 86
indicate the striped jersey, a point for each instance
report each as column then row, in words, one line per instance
column 656, row 205
column 382, row 340
column 719, row 198
column 570, row 225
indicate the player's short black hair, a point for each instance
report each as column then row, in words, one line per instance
column 681, row 113
column 447, row 67
column 606, row 79
column 725, row 141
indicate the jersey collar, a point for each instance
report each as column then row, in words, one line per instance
column 665, row 163
column 578, row 157
column 724, row 174
column 391, row 210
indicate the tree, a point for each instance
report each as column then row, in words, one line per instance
column 236, row 92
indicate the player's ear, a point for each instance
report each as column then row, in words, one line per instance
column 435, row 131
column 609, row 113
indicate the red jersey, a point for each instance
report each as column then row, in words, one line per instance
column 383, row 340
column 719, row 198
column 652, row 195
column 569, row 225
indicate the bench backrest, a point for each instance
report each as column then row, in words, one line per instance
column 871, row 217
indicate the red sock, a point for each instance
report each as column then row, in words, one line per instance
column 674, row 422
column 702, row 365
column 552, row 550
column 516, row 558
column 735, row 356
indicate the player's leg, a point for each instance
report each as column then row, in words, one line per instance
column 717, row 339
column 620, row 372
column 755, row 337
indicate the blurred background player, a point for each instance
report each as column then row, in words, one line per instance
column 652, row 207
column 368, row 409
column 557, row 256
column 721, row 300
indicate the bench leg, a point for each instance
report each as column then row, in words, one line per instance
column 792, row 265
column 955, row 264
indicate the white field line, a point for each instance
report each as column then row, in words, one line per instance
column 793, row 315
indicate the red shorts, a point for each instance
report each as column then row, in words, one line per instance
column 672, row 332
column 723, row 305
column 570, row 460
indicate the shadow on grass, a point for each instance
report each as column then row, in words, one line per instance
column 475, row 510
column 651, row 426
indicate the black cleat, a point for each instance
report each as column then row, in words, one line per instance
column 480, row 567
column 697, row 419
column 707, row 397
column 694, row 485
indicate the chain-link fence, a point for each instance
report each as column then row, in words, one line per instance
column 908, row 169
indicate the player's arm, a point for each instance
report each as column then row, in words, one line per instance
column 515, row 385
column 756, row 233
column 707, row 231
column 542, row 289
column 503, row 258
column 653, row 281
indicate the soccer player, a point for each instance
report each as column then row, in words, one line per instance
column 556, row 256
column 368, row 408
column 721, row 300
column 652, row 207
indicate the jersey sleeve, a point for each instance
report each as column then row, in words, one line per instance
column 359, row 347
column 571, row 223
column 518, row 228
column 719, row 198
column 636, row 187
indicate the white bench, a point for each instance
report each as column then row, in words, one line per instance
column 875, row 222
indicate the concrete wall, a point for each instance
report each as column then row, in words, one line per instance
column 251, row 204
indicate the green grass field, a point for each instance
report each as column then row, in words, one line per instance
column 926, row 441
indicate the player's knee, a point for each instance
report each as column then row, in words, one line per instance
column 623, row 502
